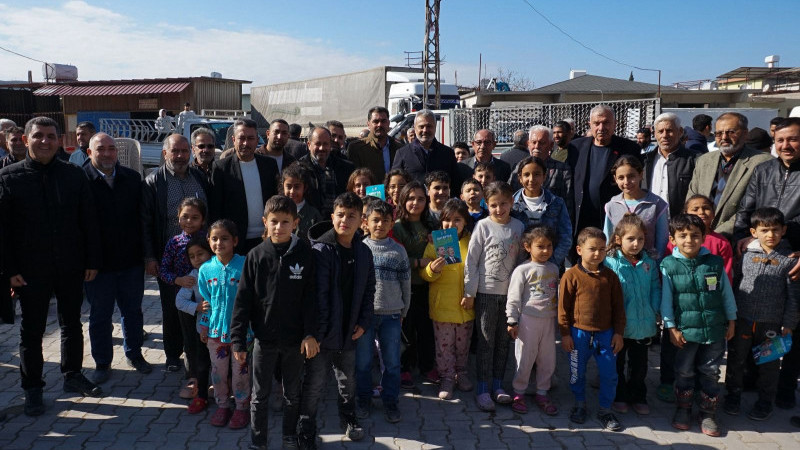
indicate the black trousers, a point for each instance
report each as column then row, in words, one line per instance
column 198, row 361
column 747, row 336
column 265, row 358
column 631, row 387
column 35, row 301
column 790, row 367
column 170, row 321
column 668, row 351
column 418, row 328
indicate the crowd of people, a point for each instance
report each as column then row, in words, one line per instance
column 276, row 268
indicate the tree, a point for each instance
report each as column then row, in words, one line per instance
column 515, row 80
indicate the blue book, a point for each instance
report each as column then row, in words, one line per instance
column 446, row 244
column 377, row 190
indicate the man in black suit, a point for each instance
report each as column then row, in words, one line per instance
column 242, row 184
column 483, row 144
column 591, row 163
column 425, row 154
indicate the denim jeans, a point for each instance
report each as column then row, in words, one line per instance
column 386, row 328
column 316, row 378
column 125, row 288
column 696, row 358
column 597, row 344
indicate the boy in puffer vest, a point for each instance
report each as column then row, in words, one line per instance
column 767, row 306
column 696, row 303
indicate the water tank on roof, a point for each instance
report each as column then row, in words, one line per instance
column 772, row 60
column 216, row 75
column 575, row 73
column 59, row 72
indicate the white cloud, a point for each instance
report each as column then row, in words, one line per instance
column 106, row 45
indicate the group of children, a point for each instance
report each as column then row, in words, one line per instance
column 369, row 285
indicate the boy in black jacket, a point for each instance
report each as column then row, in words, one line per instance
column 276, row 298
column 345, row 296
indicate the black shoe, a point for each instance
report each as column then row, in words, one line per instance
column 352, row 429
column 761, row 411
column 289, row 442
column 392, row 414
column 80, row 384
column 578, row 414
column 101, row 375
column 609, row 421
column 34, row 404
column 307, row 442
column 363, row 408
column 785, row 401
column 141, row 365
column 174, row 364
column 732, row 405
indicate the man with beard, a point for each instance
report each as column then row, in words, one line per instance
column 328, row 173
column 562, row 135
column 338, row 138
column 376, row 152
column 83, row 134
column 723, row 176
column 425, row 154
column 277, row 137
column 164, row 190
column 204, row 149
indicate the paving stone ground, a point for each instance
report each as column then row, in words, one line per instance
column 145, row 411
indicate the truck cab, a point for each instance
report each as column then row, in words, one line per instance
column 407, row 97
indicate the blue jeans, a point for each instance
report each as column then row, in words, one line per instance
column 696, row 358
column 126, row 288
column 387, row 329
column 597, row 344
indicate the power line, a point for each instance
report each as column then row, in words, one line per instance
column 20, row 54
column 602, row 55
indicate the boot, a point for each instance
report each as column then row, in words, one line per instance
column 683, row 413
column 708, row 415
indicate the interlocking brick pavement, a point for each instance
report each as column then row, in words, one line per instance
column 144, row 411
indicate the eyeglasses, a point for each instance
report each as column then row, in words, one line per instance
column 483, row 142
column 725, row 133
column 205, row 146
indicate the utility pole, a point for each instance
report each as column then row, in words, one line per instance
column 430, row 54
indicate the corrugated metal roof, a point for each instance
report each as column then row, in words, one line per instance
column 111, row 89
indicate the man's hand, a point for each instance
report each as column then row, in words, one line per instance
column 468, row 302
column 794, row 274
column 731, row 330
column 240, row 357
column 309, row 347
column 437, row 265
column 17, row 281
column 617, row 343
column 203, row 306
column 186, row 282
column 513, row 331
column 567, row 344
column 357, row 332
column 676, row 337
column 151, row 268
column 89, row 275
column 741, row 246
column 786, row 331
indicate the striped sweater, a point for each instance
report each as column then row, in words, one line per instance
column 392, row 276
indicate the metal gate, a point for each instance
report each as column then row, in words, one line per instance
column 504, row 121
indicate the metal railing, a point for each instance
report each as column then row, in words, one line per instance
column 504, row 121
column 143, row 130
column 229, row 114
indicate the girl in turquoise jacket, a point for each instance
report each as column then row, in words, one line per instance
column 641, row 289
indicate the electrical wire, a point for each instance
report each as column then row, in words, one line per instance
column 20, row 54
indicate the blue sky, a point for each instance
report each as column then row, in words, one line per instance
column 275, row 41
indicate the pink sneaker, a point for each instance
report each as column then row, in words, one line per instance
column 519, row 405
column 221, row 417
column 240, row 419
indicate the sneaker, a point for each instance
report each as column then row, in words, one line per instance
column 519, row 406
column 363, row 408
column 239, row 420
column 173, row 364
column 189, row 390
column 101, row 375
column 221, row 417
column 709, row 425
column 641, row 408
column 578, row 414
column 198, row 405
column 353, row 430
column 544, row 403
column 80, row 384
column 306, row 442
column 485, row 402
column 140, row 365
column 682, row 418
column 446, row 389
column 620, row 407
column 666, row 393
column 34, row 403
column 289, row 442
column 609, row 421
column 432, row 376
column 406, row 382
column 761, row 411
column 732, row 405
column 392, row 414
column 463, row 382
column 501, row 397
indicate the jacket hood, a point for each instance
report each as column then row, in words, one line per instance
column 677, row 253
column 755, row 246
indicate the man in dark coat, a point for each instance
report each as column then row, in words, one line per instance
column 425, row 154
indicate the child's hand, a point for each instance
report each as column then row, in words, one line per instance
column 357, row 332
column 731, row 330
column 204, row 338
column 786, row 331
column 240, row 357
column 676, row 337
column 437, row 265
column 617, row 343
column 513, row 332
column 567, row 344
column 468, row 302
column 186, row 282
column 309, row 347
column 203, row 306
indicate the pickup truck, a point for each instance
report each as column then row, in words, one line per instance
column 151, row 141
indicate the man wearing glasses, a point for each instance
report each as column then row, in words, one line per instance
column 482, row 145
column 203, row 150
column 722, row 176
